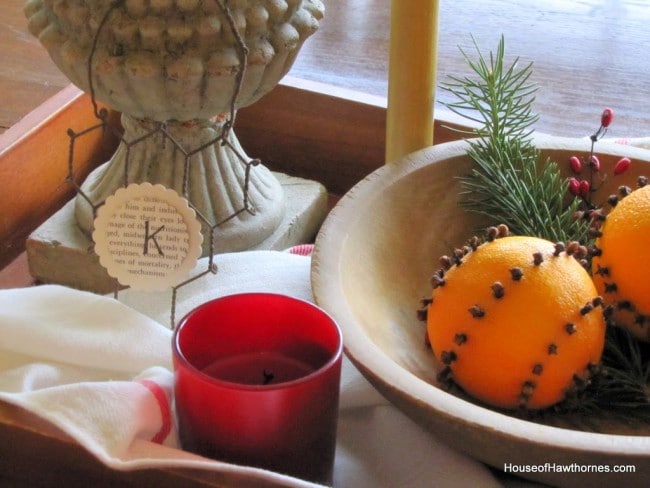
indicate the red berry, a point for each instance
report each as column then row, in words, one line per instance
column 606, row 117
column 622, row 165
column 574, row 187
column 575, row 164
column 594, row 162
column 585, row 187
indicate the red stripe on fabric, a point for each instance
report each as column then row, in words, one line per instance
column 165, row 411
column 302, row 249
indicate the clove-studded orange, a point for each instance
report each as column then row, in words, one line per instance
column 515, row 321
column 621, row 264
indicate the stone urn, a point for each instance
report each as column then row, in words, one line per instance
column 178, row 70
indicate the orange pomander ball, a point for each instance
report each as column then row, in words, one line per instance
column 515, row 321
column 622, row 263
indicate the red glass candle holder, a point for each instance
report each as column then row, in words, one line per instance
column 257, row 379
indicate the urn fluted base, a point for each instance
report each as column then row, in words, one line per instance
column 240, row 203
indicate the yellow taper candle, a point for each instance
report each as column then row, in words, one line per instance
column 411, row 76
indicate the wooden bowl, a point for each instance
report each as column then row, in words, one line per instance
column 372, row 263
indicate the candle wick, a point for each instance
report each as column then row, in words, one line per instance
column 268, row 377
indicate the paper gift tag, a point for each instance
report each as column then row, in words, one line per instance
column 147, row 237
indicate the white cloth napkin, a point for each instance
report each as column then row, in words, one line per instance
column 100, row 370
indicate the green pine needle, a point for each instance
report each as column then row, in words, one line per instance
column 509, row 184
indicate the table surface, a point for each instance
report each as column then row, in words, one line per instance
column 587, row 54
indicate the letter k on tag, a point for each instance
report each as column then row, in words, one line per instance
column 147, row 237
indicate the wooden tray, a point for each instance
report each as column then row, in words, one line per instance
column 34, row 453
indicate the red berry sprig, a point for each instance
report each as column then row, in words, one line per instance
column 583, row 188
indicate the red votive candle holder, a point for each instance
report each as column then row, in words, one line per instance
column 257, row 378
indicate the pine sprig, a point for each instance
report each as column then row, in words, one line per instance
column 621, row 390
column 508, row 182
column 500, row 100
